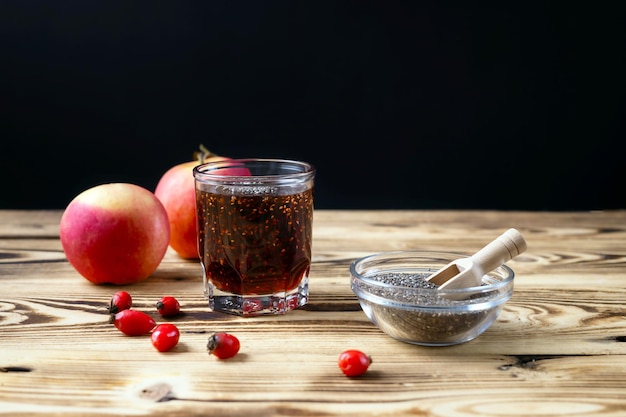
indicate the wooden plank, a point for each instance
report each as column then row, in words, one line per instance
column 557, row 349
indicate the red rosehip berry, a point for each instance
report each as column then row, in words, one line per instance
column 164, row 337
column 121, row 300
column 168, row 306
column 223, row 345
column 353, row 362
column 133, row 322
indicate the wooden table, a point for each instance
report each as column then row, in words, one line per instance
column 558, row 348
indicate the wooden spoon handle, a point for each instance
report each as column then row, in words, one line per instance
column 501, row 250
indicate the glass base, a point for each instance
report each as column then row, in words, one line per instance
column 257, row 305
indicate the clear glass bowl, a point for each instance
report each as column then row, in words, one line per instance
column 394, row 295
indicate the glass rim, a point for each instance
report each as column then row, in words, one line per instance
column 207, row 171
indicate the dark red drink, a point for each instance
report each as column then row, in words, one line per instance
column 255, row 244
column 254, row 234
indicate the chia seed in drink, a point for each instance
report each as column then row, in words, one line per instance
column 255, row 244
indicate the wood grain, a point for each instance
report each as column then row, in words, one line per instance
column 558, row 348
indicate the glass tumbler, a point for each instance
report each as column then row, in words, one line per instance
column 255, row 219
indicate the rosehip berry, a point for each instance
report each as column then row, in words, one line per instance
column 133, row 322
column 121, row 300
column 353, row 362
column 223, row 345
column 168, row 306
column 164, row 337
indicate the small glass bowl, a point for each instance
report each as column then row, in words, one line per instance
column 394, row 295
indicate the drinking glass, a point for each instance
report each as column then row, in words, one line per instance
column 255, row 233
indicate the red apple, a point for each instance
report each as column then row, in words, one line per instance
column 115, row 233
column 176, row 190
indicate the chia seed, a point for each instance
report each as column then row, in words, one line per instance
column 409, row 308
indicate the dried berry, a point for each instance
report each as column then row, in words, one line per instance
column 223, row 345
column 353, row 362
column 121, row 300
column 164, row 337
column 133, row 322
column 168, row 306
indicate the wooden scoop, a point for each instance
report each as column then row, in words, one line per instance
column 469, row 272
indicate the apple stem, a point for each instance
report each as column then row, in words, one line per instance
column 203, row 154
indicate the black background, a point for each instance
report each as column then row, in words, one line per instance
column 399, row 104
